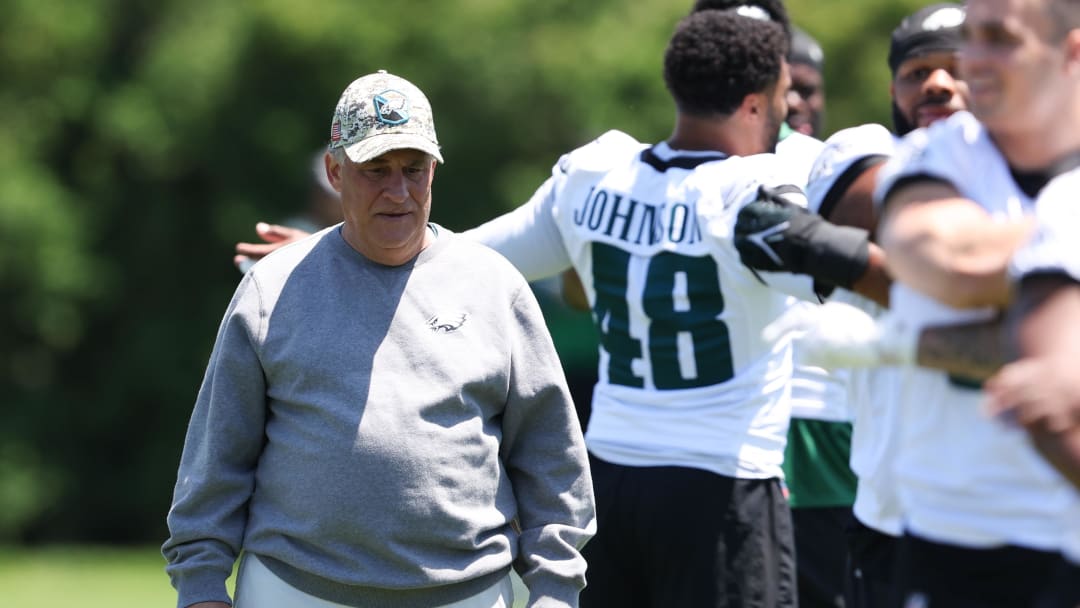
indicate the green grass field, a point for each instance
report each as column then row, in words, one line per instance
column 94, row 577
column 84, row 577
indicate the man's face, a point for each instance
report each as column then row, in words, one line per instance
column 1016, row 75
column 927, row 88
column 806, row 99
column 386, row 203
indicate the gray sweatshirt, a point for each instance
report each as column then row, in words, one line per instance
column 383, row 436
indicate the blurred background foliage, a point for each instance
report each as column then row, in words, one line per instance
column 140, row 140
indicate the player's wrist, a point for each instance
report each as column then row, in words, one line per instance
column 836, row 255
column 898, row 340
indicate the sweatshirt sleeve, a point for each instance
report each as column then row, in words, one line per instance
column 216, row 474
column 544, row 453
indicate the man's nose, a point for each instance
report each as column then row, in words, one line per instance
column 397, row 188
column 940, row 82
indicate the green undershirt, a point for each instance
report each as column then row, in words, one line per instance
column 816, row 466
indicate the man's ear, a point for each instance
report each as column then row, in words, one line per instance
column 1072, row 50
column 333, row 171
column 753, row 105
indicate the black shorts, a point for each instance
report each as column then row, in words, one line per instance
column 1064, row 590
column 677, row 536
column 936, row 575
column 871, row 567
column 821, row 554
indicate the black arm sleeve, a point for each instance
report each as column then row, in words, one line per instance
column 776, row 235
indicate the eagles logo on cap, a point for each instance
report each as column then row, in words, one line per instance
column 391, row 107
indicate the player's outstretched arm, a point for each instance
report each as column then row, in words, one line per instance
column 838, row 335
column 273, row 235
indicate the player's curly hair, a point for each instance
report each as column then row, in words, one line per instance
column 774, row 8
column 716, row 58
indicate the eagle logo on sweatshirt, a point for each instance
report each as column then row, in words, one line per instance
column 445, row 323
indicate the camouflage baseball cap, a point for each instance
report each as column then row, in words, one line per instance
column 381, row 112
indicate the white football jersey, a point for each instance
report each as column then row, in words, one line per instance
column 1070, row 528
column 816, row 393
column 871, row 392
column 798, row 152
column 963, row 478
column 684, row 376
column 1055, row 247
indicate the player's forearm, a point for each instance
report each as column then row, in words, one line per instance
column 947, row 246
column 973, row 351
column 874, row 283
column 949, row 279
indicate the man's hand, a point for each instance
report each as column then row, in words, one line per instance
column 1039, row 393
column 837, row 335
column 760, row 233
column 274, row 236
column 776, row 235
column 1042, row 395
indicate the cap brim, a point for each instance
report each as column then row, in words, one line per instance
column 377, row 145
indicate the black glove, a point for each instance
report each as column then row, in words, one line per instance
column 775, row 235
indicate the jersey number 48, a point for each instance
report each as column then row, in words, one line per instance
column 688, row 346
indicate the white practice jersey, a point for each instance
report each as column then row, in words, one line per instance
column 871, row 392
column 798, row 152
column 965, row 479
column 1070, row 530
column 816, row 393
column 1055, row 247
column 684, row 376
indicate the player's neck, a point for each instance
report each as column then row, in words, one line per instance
column 728, row 135
column 1033, row 152
column 1040, row 142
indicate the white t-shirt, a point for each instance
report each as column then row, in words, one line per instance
column 965, row 479
column 684, row 376
column 871, row 392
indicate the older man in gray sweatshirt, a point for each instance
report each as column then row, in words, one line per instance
column 384, row 420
